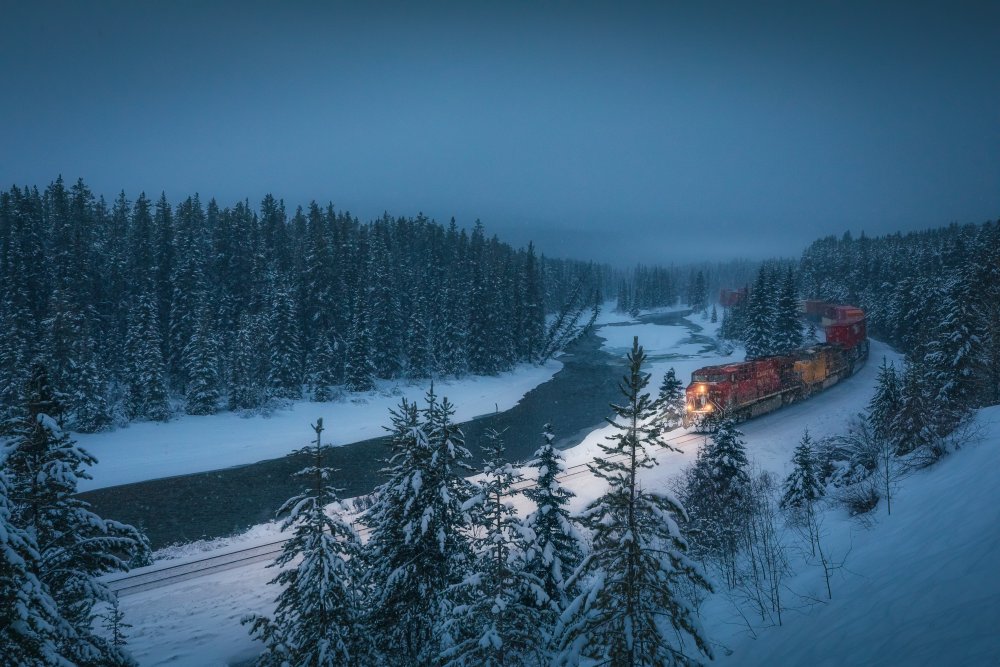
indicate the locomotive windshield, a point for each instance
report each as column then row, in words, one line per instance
column 710, row 377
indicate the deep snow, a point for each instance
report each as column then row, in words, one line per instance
column 919, row 587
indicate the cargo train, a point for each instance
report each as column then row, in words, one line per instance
column 752, row 388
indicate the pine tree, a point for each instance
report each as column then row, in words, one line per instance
column 953, row 355
column 418, row 549
column 787, row 327
column 201, row 364
column 360, row 366
column 758, row 333
column 316, row 621
column 555, row 551
column 803, row 490
column 670, row 403
column 147, row 387
column 284, row 375
column 716, row 497
column 885, row 403
column 913, row 425
column 30, row 625
column 630, row 612
column 802, row 487
column 322, row 375
column 248, row 367
column 499, row 621
column 75, row 546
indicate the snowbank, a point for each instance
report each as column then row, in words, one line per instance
column 190, row 444
column 921, row 587
column 654, row 339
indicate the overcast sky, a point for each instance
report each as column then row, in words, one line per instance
column 620, row 132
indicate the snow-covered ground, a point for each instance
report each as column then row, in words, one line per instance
column 190, row 443
column 918, row 587
column 921, row 587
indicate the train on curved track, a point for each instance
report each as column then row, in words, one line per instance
column 752, row 388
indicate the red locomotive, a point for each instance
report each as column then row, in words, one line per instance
column 751, row 388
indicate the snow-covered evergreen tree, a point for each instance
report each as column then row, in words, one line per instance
column 147, row 388
column 670, row 402
column 201, row 361
column 802, row 487
column 248, row 367
column 913, row 425
column 758, row 333
column 75, row 545
column 323, row 371
column 716, row 496
column 555, row 551
column 360, row 372
column 418, row 547
column 30, row 625
column 885, row 404
column 317, row 619
column 954, row 353
column 498, row 619
column 284, row 371
column 630, row 611
column 787, row 326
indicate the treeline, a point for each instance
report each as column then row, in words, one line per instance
column 696, row 285
column 138, row 306
column 934, row 295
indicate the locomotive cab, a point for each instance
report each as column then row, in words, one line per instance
column 706, row 394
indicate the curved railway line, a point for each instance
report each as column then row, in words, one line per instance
column 158, row 577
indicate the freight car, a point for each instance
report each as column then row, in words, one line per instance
column 751, row 388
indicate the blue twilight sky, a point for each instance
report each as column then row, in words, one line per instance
column 614, row 131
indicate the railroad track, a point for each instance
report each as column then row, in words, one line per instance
column 158, row 577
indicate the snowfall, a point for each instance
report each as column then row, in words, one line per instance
column 919, row 587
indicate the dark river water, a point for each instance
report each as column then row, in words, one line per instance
column 227, row 501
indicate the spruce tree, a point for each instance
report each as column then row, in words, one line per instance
column 147, row 387
column 913, row 425
column 630, row 611
column 360, row 372
column 248, row 388
column 758, row 333
column 954, row 353
column 284, row 375
column 802, row 487
column 885, row 404
column 787, row 327
column 201, row 363
column 717, row 495
column 317, row 618
column 75, row 545
column 322, row 374
column 555, row 550
column 30, row 626
column 499, row 618
column 670, row 405
column 419, row 549
column 802, row 490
